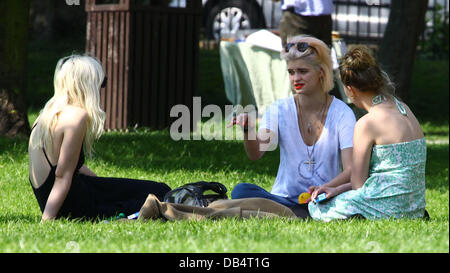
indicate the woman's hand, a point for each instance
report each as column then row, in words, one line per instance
column 243, row 120
column 86, row 171
column 254, row 146
column 330, row 192
column 312, row 189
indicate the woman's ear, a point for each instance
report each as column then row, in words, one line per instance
column 322, row 74
column 351, row 91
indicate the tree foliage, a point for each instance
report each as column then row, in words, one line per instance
column 398, row 47
column 13, row 55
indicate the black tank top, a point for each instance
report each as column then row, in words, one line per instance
column 44, row 190
column 92, row 197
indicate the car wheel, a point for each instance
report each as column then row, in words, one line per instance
column 227, row 17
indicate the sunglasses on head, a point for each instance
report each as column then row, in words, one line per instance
column 301, row 46
column 65, row 60
column 105, row 79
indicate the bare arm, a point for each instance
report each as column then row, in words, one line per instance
column 363, row 142
column 86, row 171
column 255, row 143
column 344, row 176
column 73, row 127
column 341, row 183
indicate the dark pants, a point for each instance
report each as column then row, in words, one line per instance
column 92, row 197
column 318, row 26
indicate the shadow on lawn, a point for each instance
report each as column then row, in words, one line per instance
column 157, row 151
column 437, row 167
column 23, row 218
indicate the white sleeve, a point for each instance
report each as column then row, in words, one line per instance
column 269, row 121
column 270, row 118
column 346, row 127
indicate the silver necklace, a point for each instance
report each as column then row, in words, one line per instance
column 311, row 161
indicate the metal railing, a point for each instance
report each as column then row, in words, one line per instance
column 364, row 21
column 357, row 21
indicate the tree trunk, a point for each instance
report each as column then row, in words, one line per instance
column 398, row 47
column 13, row 54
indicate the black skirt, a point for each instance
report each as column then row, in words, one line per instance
column 92, row 197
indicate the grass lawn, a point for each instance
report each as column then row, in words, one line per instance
column 155, row 156
column 176, row 163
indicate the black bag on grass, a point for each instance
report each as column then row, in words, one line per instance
column 199, row 194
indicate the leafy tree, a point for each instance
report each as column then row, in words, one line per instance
column 398, row 47
column 13, row 54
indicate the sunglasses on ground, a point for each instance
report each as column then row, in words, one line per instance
column 302, row 46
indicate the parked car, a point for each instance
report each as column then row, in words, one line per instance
column 226, row 17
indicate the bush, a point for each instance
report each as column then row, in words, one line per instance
column 436, row 40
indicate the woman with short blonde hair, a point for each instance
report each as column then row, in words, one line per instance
column 314, row 129
column 316, row 54
column 64, row 131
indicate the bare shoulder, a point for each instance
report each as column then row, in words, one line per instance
column 408, row 110
column 364, row 123
column 366, row 127
column 72, row 117
column 416, row 127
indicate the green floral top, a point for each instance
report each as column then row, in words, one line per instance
column 395, row 187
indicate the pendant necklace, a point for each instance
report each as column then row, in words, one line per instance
column 310, row 161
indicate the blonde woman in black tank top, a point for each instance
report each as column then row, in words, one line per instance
column 65, row 130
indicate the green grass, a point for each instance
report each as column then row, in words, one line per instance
column 155, row 156
column 429, row 90
column 229, row 235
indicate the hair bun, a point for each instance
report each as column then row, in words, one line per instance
column 360, row 58
column 360, row 69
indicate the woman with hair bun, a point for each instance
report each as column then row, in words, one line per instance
column 389, row 151
column 64, row 131
column 313, row 128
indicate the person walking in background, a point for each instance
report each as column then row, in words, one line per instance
column 311, row 17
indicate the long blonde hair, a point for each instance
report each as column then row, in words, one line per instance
column 317, row 54
column 76, row 81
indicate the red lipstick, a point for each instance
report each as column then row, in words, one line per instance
column 298, row 86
